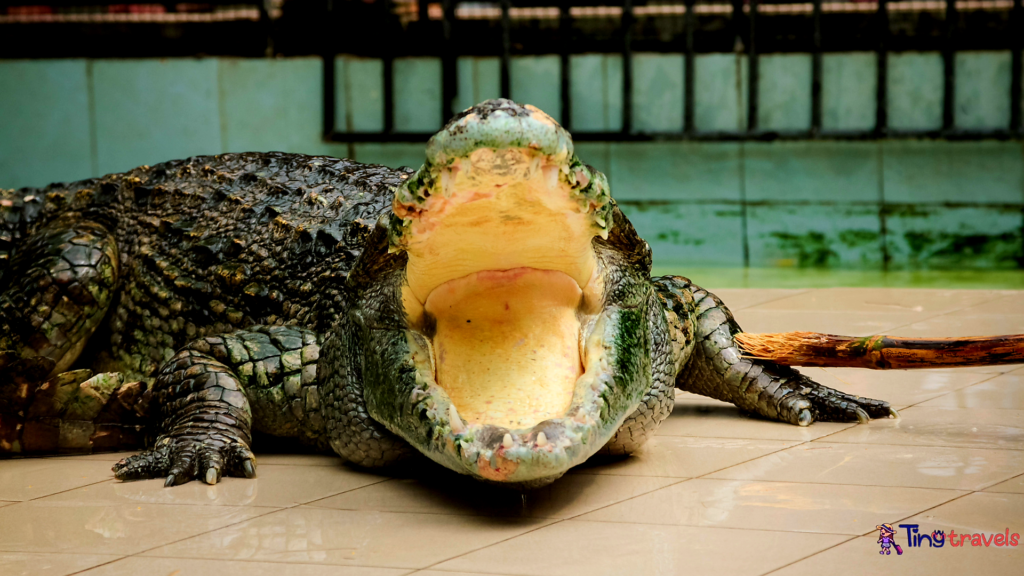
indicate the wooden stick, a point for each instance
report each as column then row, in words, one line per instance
column 882, row 352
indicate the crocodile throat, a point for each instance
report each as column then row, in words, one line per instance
column 504, row 292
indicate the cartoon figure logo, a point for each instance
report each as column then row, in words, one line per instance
column 885, row 538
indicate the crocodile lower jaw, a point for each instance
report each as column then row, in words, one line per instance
column 505, row 292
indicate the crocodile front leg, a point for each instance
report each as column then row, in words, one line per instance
column 216, row 390
column 717, row 367
column 56, row 289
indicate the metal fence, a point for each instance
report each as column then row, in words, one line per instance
column 747, row 21
column 448, row 29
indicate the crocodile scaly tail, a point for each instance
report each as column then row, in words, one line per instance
column 882, row 352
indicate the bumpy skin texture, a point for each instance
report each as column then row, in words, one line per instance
column 717, row 368
column 175, row 254
column 257, row 292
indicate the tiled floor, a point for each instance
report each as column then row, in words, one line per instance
column 714, row 493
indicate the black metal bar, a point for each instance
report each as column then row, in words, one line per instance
column 882, row 65
column 690, row 23
column 949, row 62
column 740, row 136
column 565, row 61
column 506, row 49
column 1017, row 38
column 424, row 11
column 449, row 71
column 265, row 22
column 388, row 61
column 328, row 73
column 738, row 29
column 816, row 71
column 753, row 94
column 627, row 66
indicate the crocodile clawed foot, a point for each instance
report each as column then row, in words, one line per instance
column 183, row 459
column 830, row 405
column 801, row 401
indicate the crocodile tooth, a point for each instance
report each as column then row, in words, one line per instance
column 542, row 440
column 453, row 418
column 506, row 442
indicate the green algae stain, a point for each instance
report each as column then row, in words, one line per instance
column 811, row 249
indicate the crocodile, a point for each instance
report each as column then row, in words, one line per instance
column 493, row 310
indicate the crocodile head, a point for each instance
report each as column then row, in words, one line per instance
column 502, row 306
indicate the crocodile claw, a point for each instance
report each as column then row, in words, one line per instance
column 862, row 416
column 181, row 460
column 249, row 467
column 805, row 418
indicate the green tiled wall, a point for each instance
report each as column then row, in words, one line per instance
column 784, row 92
column 596, row 92
column 45, row 127
column 147, row 111
column 915, row 90
column 853, row 205
column 848, row 87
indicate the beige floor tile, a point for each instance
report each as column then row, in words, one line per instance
column 792, row 507
column 138, row 565
column 331, row 460
column 36, row 564
column 447, row 493
column 847, row 323
column 447, row 573
column 740, row 298
column 994, row 369
column 683, row 457
column 726, row 421
column 109, row 529
column 860, row 556
column 1012, row 303
column 978, row 512
column 901, row 388
column 1002, row 392
column 318, row 535
column 962, row 427
column 6, row 503
column 690, row 398
column 29, row 478
column 574, row 547
column 1013, row 486
column 883, row 301
column 275, row 486
column 959, row 324
column 910, row 466
column 111, row 457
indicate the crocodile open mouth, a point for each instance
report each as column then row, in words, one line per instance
column 506, row 294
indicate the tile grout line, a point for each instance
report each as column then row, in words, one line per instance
column 65, row 491
column 799, row 292
column 991, row 484
column 134, row 554
column 559, row 521
column 869, row 532
column 814, row 484
column 272, row 510
column 916, row 404
column 947, row 312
